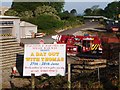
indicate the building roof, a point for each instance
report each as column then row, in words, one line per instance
column 8, row 17
column 4, row 7
column 97, row 17
column 24, row 24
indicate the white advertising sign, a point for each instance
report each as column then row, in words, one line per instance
column 44, row 59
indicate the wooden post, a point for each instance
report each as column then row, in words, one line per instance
column 98, row 75
column 69, row 76
column 33, row 81
column 79, row 85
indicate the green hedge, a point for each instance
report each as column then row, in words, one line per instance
column 49, row 23
column 46, row 23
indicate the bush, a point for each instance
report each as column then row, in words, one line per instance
column 46, row 23
column 49, row 23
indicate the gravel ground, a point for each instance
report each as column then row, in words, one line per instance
column 7, row 82
column 17, row 81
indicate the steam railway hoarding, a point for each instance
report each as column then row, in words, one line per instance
column 44, row 59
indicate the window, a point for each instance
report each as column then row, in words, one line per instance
column 86, row 43
column 4, row 23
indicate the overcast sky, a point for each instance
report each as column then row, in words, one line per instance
column 79, row 5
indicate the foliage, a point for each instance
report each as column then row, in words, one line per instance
column 73, row 12
column 94, row 10
column 88, row 11
column 57, row 5
column 45, row 10
column 46, row 15
column 65, row 15
column 46, row 23
column 112, row 10
column 26, row 6
column 26, row 14
column 73, row 20
column 11, row 13
column 98, row 12
column 94, row 7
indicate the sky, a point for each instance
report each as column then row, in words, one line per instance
column 79, row 5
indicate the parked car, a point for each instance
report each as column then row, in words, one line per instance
column 112, row 25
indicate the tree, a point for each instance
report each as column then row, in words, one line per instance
column 26, row 14
column 94, row 10
column 57, row 5
column 45, row 9
column 112, row 10
column 73, row 12
column 11, row 13
column 88, row 11
column 98, row 12
column 65, row 15
column 95, row 7
column 46, row 23
column 101, row 12
column 26, row 6
column 48, row 10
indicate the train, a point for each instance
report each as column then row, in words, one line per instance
column 88, row 46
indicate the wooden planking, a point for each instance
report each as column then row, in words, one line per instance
column 86, row 64
column 10, row 65
column 3, row 41
column 4, row 54
column 6, row 49
column 8, row 52
column 96, row 62
column 14, row 50
column 8, row 56
column 9, row 46
column 9, row 43
column 95, row 67
column 8, row 59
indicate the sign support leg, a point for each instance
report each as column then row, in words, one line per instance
column 69, row 76
column 33, row 81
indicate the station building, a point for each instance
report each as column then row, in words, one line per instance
column 11, row 31
column 27, row 29
column 11, row 26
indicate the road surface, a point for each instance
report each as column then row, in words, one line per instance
column 49, row 40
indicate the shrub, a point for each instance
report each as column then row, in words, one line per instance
column 47, row 23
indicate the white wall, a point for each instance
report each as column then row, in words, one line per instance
column 25, row 31
column 17, row 30
column 15, row 27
